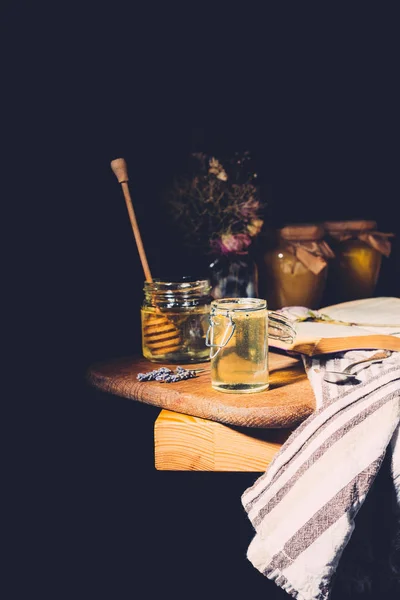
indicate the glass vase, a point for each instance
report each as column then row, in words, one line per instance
column 233, row 276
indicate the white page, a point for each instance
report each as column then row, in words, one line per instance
column 375, row 315
column 308, row 329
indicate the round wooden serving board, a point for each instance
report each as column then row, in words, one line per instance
column 288, row 401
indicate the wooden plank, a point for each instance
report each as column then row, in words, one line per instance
column 186, row 443
column 287, row 402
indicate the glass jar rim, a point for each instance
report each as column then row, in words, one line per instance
column 158, row 284
column 239, row 304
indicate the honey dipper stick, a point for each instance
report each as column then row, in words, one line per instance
column 120, row 170
column 159, row 334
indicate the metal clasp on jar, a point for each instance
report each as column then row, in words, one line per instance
column 227, row 334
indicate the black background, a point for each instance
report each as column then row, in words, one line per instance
column 313, row 97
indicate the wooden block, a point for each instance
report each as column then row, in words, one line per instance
column 186, row 443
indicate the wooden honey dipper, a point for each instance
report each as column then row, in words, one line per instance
column 159, row 334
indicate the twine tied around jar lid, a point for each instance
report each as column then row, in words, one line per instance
column 362, row 230
column 307, row 244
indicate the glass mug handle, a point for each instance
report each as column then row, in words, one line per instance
column 280, row 327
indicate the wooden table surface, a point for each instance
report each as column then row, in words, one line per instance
column 288, row 401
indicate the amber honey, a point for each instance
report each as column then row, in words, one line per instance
column 175, row 335
column 358, row 256
column 293, row 272
column 175, row 320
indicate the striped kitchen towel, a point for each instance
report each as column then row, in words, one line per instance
column 303, row 508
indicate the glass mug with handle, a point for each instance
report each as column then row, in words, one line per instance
column 238, row 341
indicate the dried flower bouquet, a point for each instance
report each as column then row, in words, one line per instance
column 218, row 206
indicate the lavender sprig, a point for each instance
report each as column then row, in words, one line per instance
column 165, row 375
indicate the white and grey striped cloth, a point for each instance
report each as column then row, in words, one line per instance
column 303, row 508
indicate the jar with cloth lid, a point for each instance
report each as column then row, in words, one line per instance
column 294, row 271
column 358, row 248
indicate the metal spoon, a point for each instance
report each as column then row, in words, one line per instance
column 345, row 375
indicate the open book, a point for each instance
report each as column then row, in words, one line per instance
column 361, row 324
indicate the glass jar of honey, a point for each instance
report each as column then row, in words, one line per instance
column 238, row 340
column 293, row 272
column 174, row 319
column 358, row 249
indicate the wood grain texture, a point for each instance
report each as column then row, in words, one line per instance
column 287, row 402
column 120, row 170
column 186, row 443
